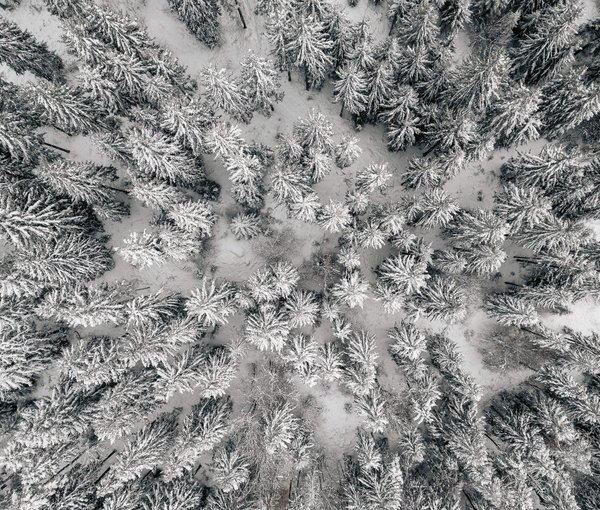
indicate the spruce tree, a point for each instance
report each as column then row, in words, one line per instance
column 201, row 18
column 230, row 94
column 350, row 90
column 260, row 82
column 21, row 51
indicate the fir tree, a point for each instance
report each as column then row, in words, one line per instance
column 195, row 218
column 60, row 106
column 552, row 235
column 567, row 101
column 547, row 41
column 441, row 299
column 188, row 122
column 351, row 290
column 522, row 207
column 279, row 37
column 260, row 83
column 350, row 90
column 65, row 260
column 279, row 426
column 142, row 250
column 246, row 226
column 302, row 308
column 30, row 217
column 201, row 18
column 314, row 133
column 230, row 469
column 436, row 208
column 201, row 429
column 267, row 329
column 227, row 93
column 334, row 216
column 21, row 51
column 85, row 306
column 404, row 272
column 478, row 227
column 347, row 152
column 372, row 178
column 310, row 49
column 423, row 172
column 142, row 452
column 513, row 118
column 157, row 195
column 212, row 303
column 83, row 182
column 511, row 311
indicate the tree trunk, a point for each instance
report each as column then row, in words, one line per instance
column 342, row 110
column 393, row 24
column 61, row 130
column 239, row 9
column 56, row 147
column 289, row 71
column 102, row 475
column 108, row 456
column 197, row 469
column 307, row 83
column 430, row 150
column 534, row 333
column 513, row 284
column 118, row 189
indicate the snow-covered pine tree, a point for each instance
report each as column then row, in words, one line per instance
column 157, row 195
column 62, row 261
column 260, row 82
column 27, row 216
column 279, row 426
column 546, row 41
column 404, row 272
column 246, row 226
column 85, row 305
column 567, row 101
column 85, row 182
column 513, row 118
column 310, row 49
column 211, row 304
column 267, row 328
column 443, row 298
column 62, row 107
column 122, row 407
column 141, row 453
column 351, row 290
column 435, row 208
column 347, row 152
column 20, row 50
column 157, row 156
column 334, row 216
column 224, row 91
column 193, row 217
column 143, row 249
column 350, row 89
column 201, row 17
column 314, row 133
column 200, row 430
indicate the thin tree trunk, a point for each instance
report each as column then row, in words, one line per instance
column 490, row 438
column 56, row 147
column 197, row 469
column 469, row 500
column 342, row 110
column 534, row 333
column 306, row 78
column 102, row 475
column 430, row 150
column 64, row 467
column 239, row 9
column 513, row 284
column 108, row 456
column 118, row 189
column 61, row 130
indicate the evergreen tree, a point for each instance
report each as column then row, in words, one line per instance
column 142, row 452
column 404, row 272
column 279, row 426
column 435, row 208
column 101, row 90
column 441, row 299
column 157, row 156
column 454, row 15
column 63, row 261
column 512, row 311
column 567, row 101
column 334, row 216
column 419, row 24
column 478, row 227
column 195, row 218
column 513, row 118
column 547, row 40
column 230, row 469
column 346, row 152
column 83, row 182
column 201, row 18
column 228, row 94
column 17, row 139
column 29, row 217
column 85, row 306
column 201, row 429
column 310, row 49
column 302, row 308
column 60, row 106
column 246, row 226
column 188, row 122
column 522, row 207
column 423, row 172
column 260, row 83
column 351, row 290
column 21, row 51
column 372, row 178
column 267, row 329
column 142, row 250
column 279, row 37
column 350, row 89
column 479, row 80
column 314, row 133
column 211, row 304
column 157, row 195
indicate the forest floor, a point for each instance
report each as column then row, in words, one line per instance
column 296, row 241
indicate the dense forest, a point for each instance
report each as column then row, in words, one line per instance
column 299, row 254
